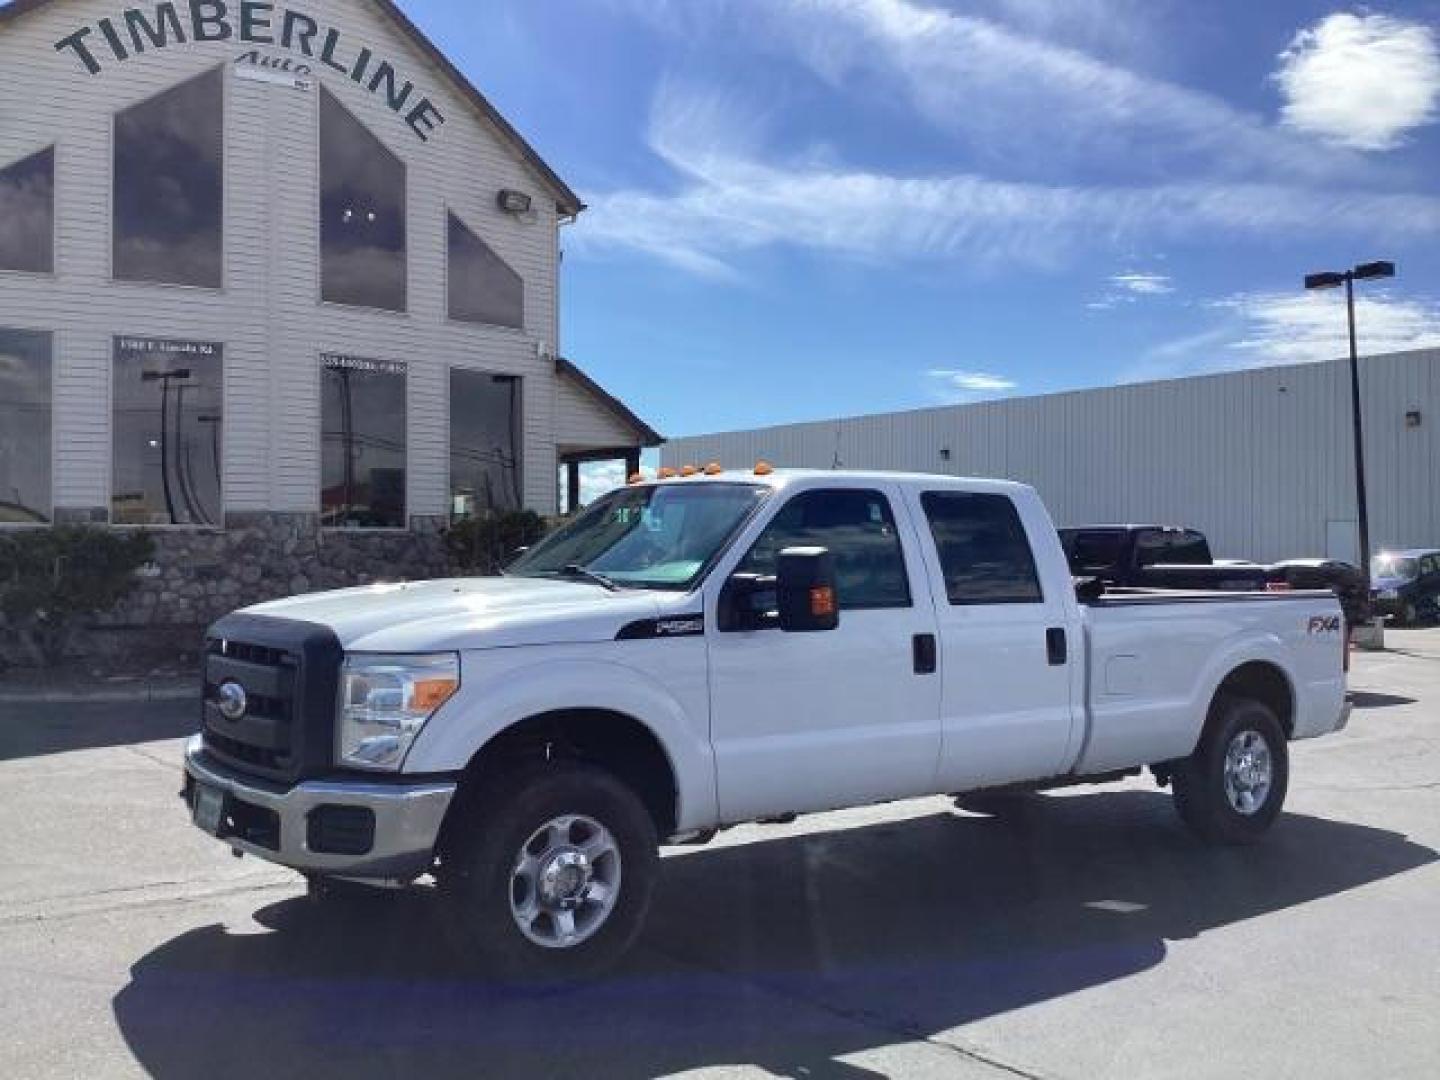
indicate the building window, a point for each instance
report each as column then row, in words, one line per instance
column 169, row 186
column 483, row 288
column 25, row 361
column 168, row 432
column 983, row 551
column 484, row 458
column 363, row 443
column 858, row 528
column 362, row 213
column 27, row 214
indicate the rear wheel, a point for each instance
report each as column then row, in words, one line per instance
column 549, row 874
column 1232, row 788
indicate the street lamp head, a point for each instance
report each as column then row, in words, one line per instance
column 1369, row 270
column 1326, row 280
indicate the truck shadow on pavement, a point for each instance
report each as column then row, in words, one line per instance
column 785, row 953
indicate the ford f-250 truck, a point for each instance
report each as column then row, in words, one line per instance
column 729, row 647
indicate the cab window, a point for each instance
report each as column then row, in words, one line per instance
column 859, row 530
column 984, row 554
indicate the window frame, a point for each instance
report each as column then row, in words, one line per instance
column 942, row 493
column 319, row 504
column 225, row 110
column 519, row 422
column 890, row 501
column 183, row 527
column 54, row 272
column 449, row 210
column 408, row 311
column 54, row 336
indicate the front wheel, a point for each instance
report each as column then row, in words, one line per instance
column 549, row 874
column 1231, row 789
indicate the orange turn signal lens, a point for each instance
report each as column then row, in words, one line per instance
column 430, row 694
column 822, row 601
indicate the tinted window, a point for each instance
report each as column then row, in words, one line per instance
column 483, row 288
column 1172, row 547
column 168, row 185
column 27, row 214
column 24, row 426
column 363, row 443
column 859, row 530
column 362, row 213
column 167, row 432
column 984, row 554
column 1093, row 551
column 484, row 457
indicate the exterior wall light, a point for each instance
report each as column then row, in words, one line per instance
column 1412, row 418
column 513, row 202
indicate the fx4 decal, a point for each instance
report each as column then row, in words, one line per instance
column 1324, row 624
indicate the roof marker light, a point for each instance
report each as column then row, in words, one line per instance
column 763, row 468
column 689, row 470
column 636, row 478
column 714, row 469
column 666, row 473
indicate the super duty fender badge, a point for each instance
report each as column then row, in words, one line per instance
column 673, row 626
column 1324, row 624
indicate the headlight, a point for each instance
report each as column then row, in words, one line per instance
column 385, row 701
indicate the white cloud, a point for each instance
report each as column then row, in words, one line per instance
column 1280, row 328
column 952, row 386
column 736, row 197
column 1142, row 284
column 598, row 477
column 1361, row 81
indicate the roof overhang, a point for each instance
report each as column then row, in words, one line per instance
column 645, row 435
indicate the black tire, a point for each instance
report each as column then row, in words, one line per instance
column 1199, row 781
column 481, row 853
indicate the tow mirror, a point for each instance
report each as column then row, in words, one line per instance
column 805, row 593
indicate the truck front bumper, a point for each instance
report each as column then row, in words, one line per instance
column 375, row 830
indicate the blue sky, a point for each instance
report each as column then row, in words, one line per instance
column 810, row 208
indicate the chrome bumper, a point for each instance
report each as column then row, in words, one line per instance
column 407, row 819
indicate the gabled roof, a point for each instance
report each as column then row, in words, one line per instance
column 566, row 201
column 645, row 434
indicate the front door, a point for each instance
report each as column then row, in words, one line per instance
column 811, row 721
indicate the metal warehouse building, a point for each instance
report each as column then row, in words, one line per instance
column 278, row 284
column 1261, row 460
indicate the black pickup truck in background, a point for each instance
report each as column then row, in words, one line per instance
column 1167, row 557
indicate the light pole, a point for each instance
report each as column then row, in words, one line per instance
column 1333, row 280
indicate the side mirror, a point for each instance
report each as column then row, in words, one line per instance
column 806, row 597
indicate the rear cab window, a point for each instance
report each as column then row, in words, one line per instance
column 1171, row 547
column 984, row 553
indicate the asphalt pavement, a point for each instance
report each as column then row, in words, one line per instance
column 1089, row 937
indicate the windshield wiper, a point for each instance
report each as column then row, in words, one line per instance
column 575, row 570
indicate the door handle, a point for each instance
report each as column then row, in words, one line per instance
column 925, row 655
column 1055, row 646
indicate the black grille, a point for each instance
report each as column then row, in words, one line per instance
column 289, row 671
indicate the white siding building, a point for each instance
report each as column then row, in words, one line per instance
column 1261, row 460
column 278, row 284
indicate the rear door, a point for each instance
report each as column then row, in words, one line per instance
column 1007, row 658
column 804, row 722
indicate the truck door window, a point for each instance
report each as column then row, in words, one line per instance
column 858, row 528
column 1172, row 547
column 984, row 554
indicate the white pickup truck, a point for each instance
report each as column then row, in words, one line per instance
column 730, row 647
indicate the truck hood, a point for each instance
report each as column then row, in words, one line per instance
column 470, row 613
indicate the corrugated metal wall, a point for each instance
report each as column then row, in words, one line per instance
column 1261, row 460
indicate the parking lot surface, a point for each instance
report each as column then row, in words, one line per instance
column 1089, row 937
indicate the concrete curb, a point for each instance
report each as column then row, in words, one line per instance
column 138, row 693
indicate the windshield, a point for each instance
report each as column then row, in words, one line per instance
column 1392, row 566
column 646, row 537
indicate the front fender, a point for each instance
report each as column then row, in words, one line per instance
column 500, row 689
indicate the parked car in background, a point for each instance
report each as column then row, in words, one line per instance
column 1170, row 557
column 1406, row 585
